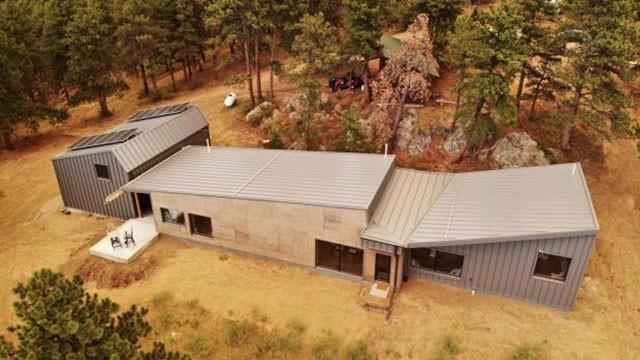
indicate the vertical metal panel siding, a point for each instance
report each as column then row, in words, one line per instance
column 507, row 269
column 198, row 138
column 81, row 189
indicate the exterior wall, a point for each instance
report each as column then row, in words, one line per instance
column 82, row 189
column 282, row 231
column 507, row 269
column 198, row 138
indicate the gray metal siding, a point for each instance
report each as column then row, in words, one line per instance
column 198, row 138
column 506, row 269
column 81, row 189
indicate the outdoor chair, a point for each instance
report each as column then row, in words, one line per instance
column 115, row 242
column 128, row 238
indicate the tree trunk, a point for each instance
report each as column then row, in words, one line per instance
column 153, row 81
column 145, row 83
column 173, row 78
column 367, row 84
column 568, row 123
column 247, row 61
column 65, row 91
column 272, row 64
column 455, row 113
column 536, row 92
column 256, row 50
column 396, row 120
column 104, row 109
column 520, row 88
column 478, row 110
column 189, row 72
column 184, row 71
column 6, row 141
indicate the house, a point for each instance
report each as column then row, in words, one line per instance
column 96, row 166
column 522, row 233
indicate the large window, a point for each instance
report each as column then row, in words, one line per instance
column 339, row 257
column 438, row 261
column 102, row 171
column 172, row 216
column 552, row 266
column 200, row 225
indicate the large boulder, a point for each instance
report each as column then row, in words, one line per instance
column 405, row 129
column 455, row 142
column 517, row 149
column 260, row 112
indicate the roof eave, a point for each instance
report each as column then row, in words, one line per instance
column 489, row 240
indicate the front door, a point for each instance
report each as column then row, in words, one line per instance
column 383, row 268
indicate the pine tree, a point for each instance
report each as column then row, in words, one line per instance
column 23, row 81
column 93, row 54
column 59, row 320
column 489, row 44
column 602, row 43
column 352, row 138
column 363, row 23
column 442, row 15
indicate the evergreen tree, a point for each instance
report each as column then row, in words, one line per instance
column 363, row 23
column 59, row 320
column 602, row 44
column 490, row 45
column 235, row 22
column 92, row 54
column 23, row 83
column 442, row 15
column 352, row 138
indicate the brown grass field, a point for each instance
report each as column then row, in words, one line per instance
column 218, row 304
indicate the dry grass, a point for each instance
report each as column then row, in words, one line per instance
column 204, row 289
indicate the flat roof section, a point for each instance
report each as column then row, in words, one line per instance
column 334, row 179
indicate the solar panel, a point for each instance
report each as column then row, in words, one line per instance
column 109, row 138
column 157, row 112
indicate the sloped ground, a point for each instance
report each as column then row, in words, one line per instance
column 604, row 325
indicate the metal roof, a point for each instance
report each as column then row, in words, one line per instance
column 154, row 135
column 405, row 201
column 509, row 205
column 333, row 179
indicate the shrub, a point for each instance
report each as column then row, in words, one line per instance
column 359, row 351
column 156, row 95
column 161, row 298
column 199, row 345
column 448, row 349
column 224, row 257
column 528, row 351
column 326, row 347
column 237, row 332
column 296, row 326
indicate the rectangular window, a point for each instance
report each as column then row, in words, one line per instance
column 339, row 257
column 552, row 266
column 102, row 171
column 438, row 261
column 172, row 216
column 200, row 225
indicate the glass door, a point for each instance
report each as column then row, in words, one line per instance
column 383, row 268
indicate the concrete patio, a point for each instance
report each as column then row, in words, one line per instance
column 144, row 233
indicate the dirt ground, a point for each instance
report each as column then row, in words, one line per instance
column 605, row 323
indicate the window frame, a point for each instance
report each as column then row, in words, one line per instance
column 549, row 278
column 184, row 220
column 436, row 272
column 208, row 236
column 106, row 167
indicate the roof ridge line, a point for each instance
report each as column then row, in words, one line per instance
column 246, row 183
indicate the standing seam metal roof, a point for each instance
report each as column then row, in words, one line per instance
column 155, row 135
column 484, row 206
column 310, row 177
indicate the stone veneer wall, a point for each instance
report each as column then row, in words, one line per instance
column 283, row 231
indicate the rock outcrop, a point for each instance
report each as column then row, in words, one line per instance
column 517, row 149
column 259, row 113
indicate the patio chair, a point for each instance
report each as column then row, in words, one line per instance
column 115, row 242
column 128, row 238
